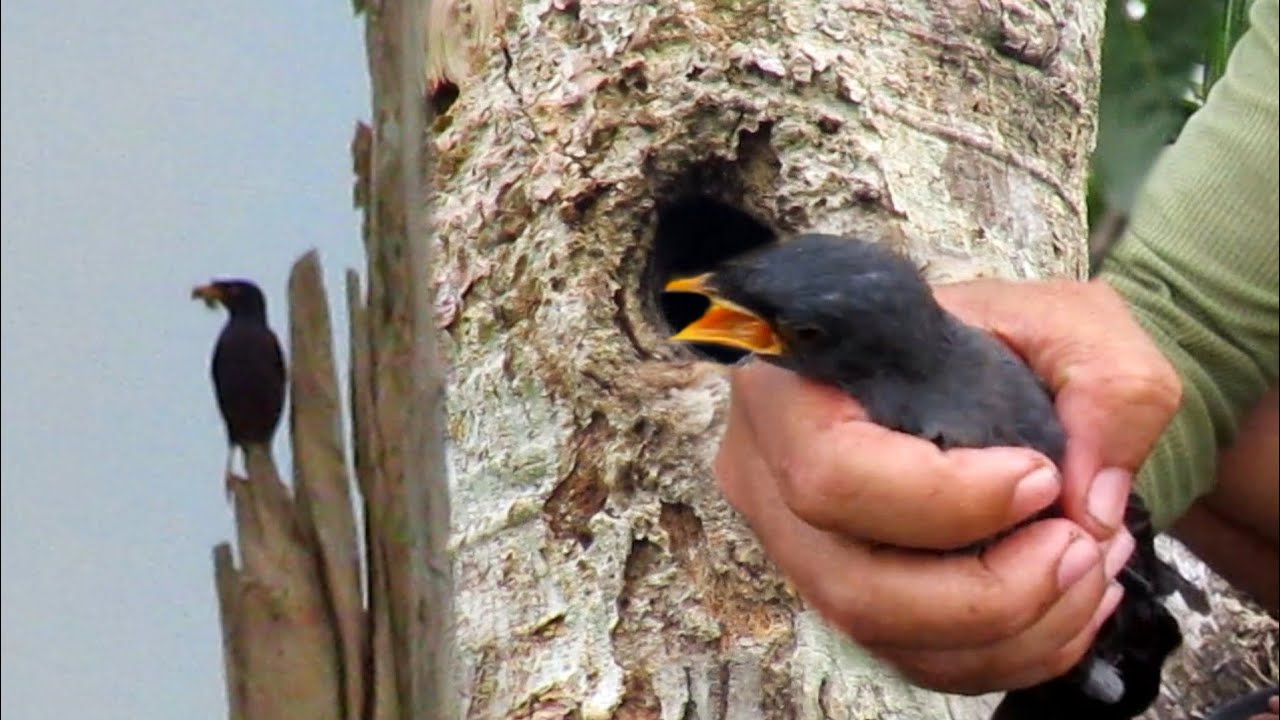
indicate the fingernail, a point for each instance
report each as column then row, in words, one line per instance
column 1108, row 496
column 1035, row 491
column 1118, row 552
column 1111, row 599
column 1078, row 559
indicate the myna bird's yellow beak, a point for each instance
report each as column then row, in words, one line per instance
column 210, row 294
column 725, row 323
column 698, row 285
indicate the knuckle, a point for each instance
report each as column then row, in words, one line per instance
column 841, row 605
column 1006, row 613
column 1059, row 661
column 806, row 486
column 1143, row 372
column 793, row 482
column 1144, row 380
column 959, row 477
column 969, row 524
column 942, row 673
column 1168, row 386
column 923, row 673
column 723, row 469
column 1012, row 622
column 1155, row 386
column 742, row 380
column 1150, row 375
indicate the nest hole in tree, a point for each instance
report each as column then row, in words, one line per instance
column 442, row 96
column 695, row 233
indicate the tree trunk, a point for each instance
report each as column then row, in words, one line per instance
column 599, row 572
column 300, row 638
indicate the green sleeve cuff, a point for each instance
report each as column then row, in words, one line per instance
column 1198, row 266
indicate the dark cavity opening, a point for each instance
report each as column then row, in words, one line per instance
column 443, row 96
column 693, row 235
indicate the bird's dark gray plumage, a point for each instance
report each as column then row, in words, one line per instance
column 247, row 368
column 857, row 315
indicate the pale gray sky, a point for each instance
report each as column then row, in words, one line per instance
column 146, row 147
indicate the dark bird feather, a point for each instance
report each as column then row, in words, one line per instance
column 248, row 367
column 856, row 315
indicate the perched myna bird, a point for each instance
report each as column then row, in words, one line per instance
column 248, row 367
column 856, row 315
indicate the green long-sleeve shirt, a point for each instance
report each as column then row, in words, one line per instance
column 1198, row 265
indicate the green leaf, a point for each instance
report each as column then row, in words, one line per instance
column 1235, row 20
column 1147, row 77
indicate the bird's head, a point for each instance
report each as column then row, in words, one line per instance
column 241, row 298
column 834, row 309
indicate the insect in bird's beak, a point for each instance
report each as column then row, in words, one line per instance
column 210, row 294
column 724, row 323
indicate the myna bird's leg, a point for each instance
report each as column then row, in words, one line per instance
column 228, row 477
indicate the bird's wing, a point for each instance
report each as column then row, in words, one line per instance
column 249, row 379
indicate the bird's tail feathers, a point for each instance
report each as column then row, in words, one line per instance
column 1102, row 682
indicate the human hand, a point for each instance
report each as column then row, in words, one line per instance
column 826, row 491
column 1114, row 390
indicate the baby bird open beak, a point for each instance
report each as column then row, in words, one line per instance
column 724, row 323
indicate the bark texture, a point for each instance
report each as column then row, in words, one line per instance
column 1225, row 653
column 599, row 572
column 400, row 402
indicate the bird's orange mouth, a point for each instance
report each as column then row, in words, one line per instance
column 210, row 294
column 724, row 323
